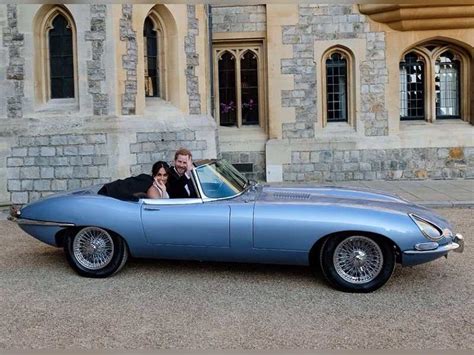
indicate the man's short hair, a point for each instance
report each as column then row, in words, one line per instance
column 182, row 151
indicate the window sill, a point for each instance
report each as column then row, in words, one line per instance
column 246, row 138
column 59, row 107
column 336, row 128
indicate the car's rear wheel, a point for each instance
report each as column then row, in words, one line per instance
column 95, row 252
column 357, row 263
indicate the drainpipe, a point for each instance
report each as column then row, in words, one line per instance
column 211, row 60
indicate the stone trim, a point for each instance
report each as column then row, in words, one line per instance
column 14, row 41
column 96, row 76
column 42, row 165
column 129, row 60
column 192, row 60
column 380, row 164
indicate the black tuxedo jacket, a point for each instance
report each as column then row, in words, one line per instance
column 176, row 185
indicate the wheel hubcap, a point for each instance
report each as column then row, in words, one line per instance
column 358, row 259
column 93, row 248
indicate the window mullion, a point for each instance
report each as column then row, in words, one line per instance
column 238, row 88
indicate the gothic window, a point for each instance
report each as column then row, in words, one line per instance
column 55, row 69
column 446, row 79
column 227, row 90
column 432, row 82
column 336, row 88
column 412, row 93
column 61, row 60
column 151, row 56
column 238, row 83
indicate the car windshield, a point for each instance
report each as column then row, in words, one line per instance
column 220, row 179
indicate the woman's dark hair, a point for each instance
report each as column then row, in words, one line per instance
column 158, row 165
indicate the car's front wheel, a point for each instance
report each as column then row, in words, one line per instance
column 95, row 252
column 357, row 263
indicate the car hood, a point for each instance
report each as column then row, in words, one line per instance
column 348, row 197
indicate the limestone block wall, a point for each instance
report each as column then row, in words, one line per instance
column 12, row 66
column 152, row 147
column 192, row 60
column 318, row 23
column 256, row 159
column 239, row 18
column 379, row 164
column 41, row 165
column 129, row 60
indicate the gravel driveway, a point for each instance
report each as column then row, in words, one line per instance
column 191, row 305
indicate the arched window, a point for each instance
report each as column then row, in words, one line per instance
column 227, row 90
column 446, row 78
column 433, row 78
column 412, row 93
column 249, row 87
column 55, row 55
column 238, row 83
column 152, row 65
column 61, row 60
column 336, row 88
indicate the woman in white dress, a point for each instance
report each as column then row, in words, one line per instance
column 160, row 177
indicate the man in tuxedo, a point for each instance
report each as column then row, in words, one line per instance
column 179, row 183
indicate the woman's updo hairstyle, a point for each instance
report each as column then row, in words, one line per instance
column 158, row 165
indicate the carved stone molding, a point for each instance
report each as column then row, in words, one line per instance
column 415, row 17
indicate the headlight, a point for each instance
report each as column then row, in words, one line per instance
column 428, row 229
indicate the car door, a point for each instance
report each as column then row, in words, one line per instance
column 186, row 222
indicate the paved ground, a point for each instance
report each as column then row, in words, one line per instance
column 188, row 305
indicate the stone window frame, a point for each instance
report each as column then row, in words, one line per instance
column 347, row 54
column 429, row 58
column 238, row 49
column 43, row 23
column 159, row 27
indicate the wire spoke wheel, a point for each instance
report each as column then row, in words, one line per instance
column 358, row 259
column 93, row 248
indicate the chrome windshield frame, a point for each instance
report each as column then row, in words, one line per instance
column 205, row 198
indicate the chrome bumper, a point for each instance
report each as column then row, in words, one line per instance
column 457, row 245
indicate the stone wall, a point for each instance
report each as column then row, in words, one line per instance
column 152, row 147
column 95, row 67
column 192, row 60
column 239, row 18
column 332, row 22
column 379, row 164
column 41, row 165
column 129, row 60
column 257, row 159
column 15, row 71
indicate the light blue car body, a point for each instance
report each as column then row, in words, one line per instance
column 264, row 224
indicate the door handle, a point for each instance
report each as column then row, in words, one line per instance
column 151, row 209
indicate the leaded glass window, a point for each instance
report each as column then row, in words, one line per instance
column 336, row 88
column 227, row 90
column 152, row 79
column 447, row 86
column 412, row 95
column 61, row 60
column 249, row 88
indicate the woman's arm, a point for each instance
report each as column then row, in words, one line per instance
column 153, row 192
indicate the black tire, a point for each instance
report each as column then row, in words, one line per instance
column 356, row 262
column 95, row 252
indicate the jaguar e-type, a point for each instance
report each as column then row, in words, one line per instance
column 354, row 236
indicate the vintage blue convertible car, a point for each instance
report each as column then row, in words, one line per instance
column 354, row 236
